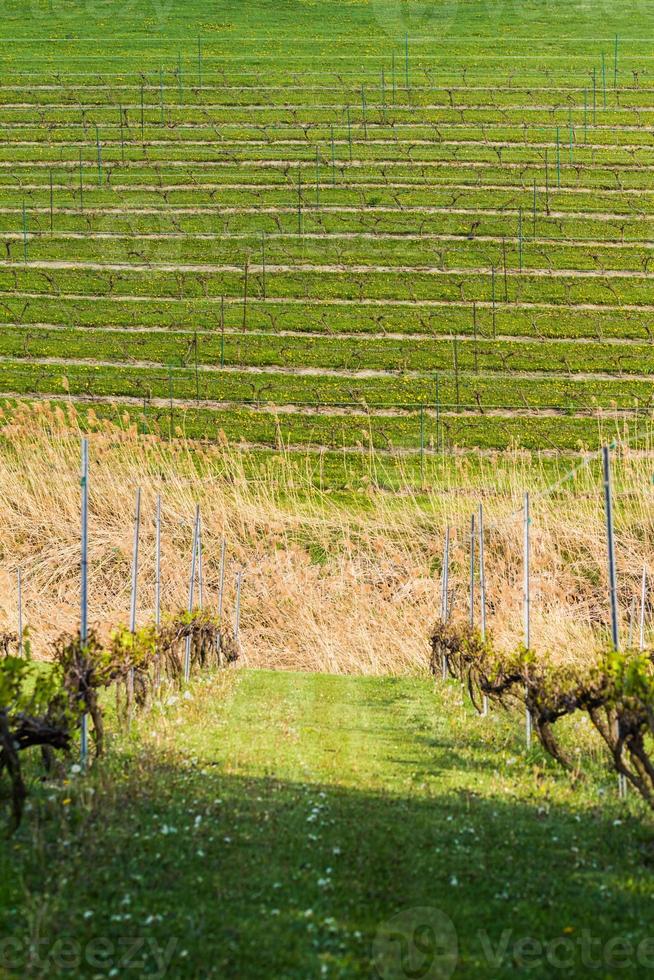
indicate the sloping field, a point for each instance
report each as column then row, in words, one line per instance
column 335, row 224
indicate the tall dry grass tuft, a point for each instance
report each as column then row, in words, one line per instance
column 333, row 582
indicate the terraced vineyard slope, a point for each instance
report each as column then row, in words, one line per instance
column 433, row 231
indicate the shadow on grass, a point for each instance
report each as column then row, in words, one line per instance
column 188, row 871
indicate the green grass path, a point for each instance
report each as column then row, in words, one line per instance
column 276, row 823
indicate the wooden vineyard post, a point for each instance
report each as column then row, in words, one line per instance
column 438, row 416
column 506, row 275
column 51, row 204
column 349, row 132
column 191, row 591
column 157, row 565
column 406, row 59
column 547, row 183
column 444, row 591
column 475, row 348
column 246, row 269
column 221, row 587
column 19, row 584
column 493, row 299
column 200, row 565
column 422, row 445
column 643, row 597
column 99, row 153
column 134, row 591
column 331, row 127
column 25, row 251
column 526, row 600
column 363, row 113
column 615, row 65
column 482, row 588
column 237, row 613
column 572, row 139
column 608, row 509
column 122, row 135
column 170, row 402
column 534, row 211
column 222, row 331
column 135, row 562
column 613, row 583
column 263, row 260
column 455, row 355
column 472, row 571
column 83, row 623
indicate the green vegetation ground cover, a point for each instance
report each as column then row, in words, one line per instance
column 308, row 126
column 246, row 832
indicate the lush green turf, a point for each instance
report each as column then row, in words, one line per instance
column 403, row 189
column 274, row 825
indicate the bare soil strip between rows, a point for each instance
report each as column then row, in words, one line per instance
column 318, row 372
column 337, row 335
column 462, row 239
column 329, row 411
column 155, row 267
column 310, row 303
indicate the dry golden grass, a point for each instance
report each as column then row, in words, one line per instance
column 332, row 583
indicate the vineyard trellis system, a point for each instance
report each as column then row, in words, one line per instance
column 48, row 704
column 616, row 691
